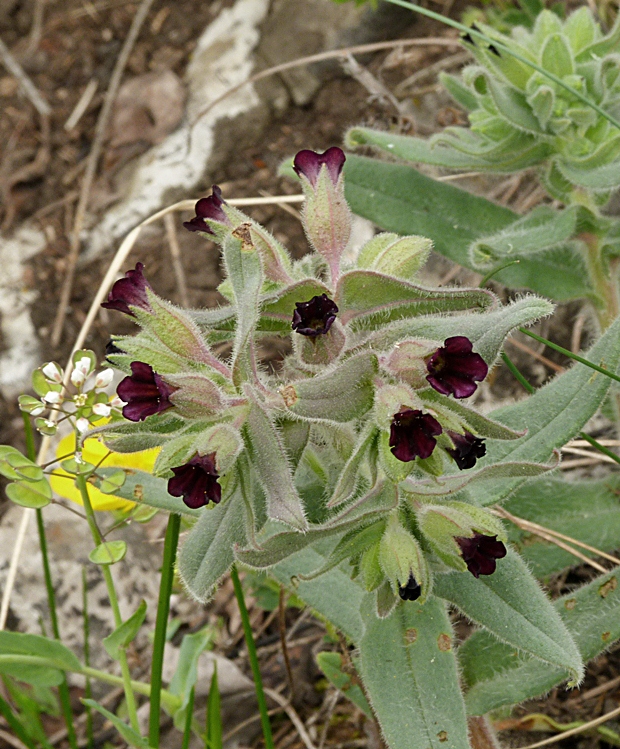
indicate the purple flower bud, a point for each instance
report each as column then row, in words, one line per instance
column 410, row 592
column 480, row 553
column 210, row 208
column 412, row 434
column 196, row 482
column 144, row 392
column 309, row 163
column 467, row 449
column 455, row 368
column 315, row 317
column 129, row 292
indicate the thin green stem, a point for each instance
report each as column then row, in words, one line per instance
column 570, row 354
column 90, row 736
column 492, row 272
column 14, row 724
column 501, row 46
column 187, row 728
column 517, row 375
column 161, row 624
column 63, row 687
column 171, row 702
column 599, row 447
column 249, row 641
column 107, row 576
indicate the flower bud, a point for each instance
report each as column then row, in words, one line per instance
column 101, row 409
column 52, row 371
column 326, row 215
column 82, row 425
column 31, row 405
column 395, row 256
column 46, row 426
column 401, row 558
column 104, row 378
column 390, row 399
column 196, row 395
column 446, row 526
column 407, row 361
column 52, row 397
column 78, row 377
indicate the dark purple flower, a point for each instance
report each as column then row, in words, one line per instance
column 309, row 164
column 467, row 449
column 196, row 482
column 412, row 434
column 455, row 368
column 480, row 553
column 144, row 392
column 129, row 292
column 410, row 592
column 314, row 317
column 211, row 208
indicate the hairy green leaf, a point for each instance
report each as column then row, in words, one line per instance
column 409, row 670
column 511, row 605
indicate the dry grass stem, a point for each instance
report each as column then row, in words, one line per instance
column 547, row 362
column 91, row 167
column 578, row 451
column 175, row 254
column 31, row 91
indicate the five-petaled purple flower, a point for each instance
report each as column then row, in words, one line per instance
column 412, row 434
column 309, row 163
column 196, row 482
column 129, row 292
column 467, row 449
column 211, row 208
column 455, row 368
column 315, row 317
column 410, row 592
column 144, row 392
column 480, row 553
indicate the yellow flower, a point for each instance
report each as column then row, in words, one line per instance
column 96, row 452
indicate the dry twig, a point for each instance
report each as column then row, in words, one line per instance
column 175, row 254
column 91, row 166
column 573, row 731
column 31, row 91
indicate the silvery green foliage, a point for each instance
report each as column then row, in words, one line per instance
column 311, row 487
column 521, row 118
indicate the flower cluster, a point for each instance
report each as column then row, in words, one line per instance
column 361, row 395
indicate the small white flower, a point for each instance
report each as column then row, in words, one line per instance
column 78, row 377
column 82, row 425
column 104, row 378
column 84, row 366
column 80, row 400
column 52, row 397
column 116, row 402
column 50, row 424
column 52, row 371
column 78, row 457
column 101, row 409
column 37, row 410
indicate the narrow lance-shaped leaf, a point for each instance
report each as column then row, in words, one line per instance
column 542, row 229
column 272, row 466
column 348, row 479
column 486, row 331
column 343, row 393
column 207, row 554
column 123, row 635
column 409, row 669
column 398, row 198
column 554, row 414
column 132, row 737
column 279, row 545
column 244, row 271
column 368, row 299
column 186, row 673
column 58, row 657
column 511, row 605
column 498, row 676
